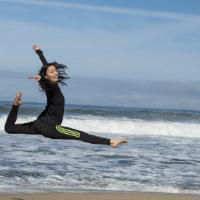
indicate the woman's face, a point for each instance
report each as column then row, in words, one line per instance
column 52, row 74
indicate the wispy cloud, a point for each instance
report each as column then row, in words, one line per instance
column 151, row 51
column 108, row 9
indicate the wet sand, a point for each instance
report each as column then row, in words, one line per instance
column 97, row 196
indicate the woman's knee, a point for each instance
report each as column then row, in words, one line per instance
column 9, row 129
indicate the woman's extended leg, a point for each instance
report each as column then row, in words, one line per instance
column 68, row 133
column 62, row 132
column 11, row 127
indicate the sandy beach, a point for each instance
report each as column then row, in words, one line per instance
column 98, row 196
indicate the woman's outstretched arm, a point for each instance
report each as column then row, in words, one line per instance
column 39, row 52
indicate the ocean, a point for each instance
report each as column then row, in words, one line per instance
column 162, row 154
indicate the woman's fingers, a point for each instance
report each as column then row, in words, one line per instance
column 36, row 47
column 37, row 77
column 31, row 77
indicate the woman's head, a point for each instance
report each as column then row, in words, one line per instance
column 52, row 73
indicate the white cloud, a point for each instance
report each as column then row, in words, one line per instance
column 108, row 9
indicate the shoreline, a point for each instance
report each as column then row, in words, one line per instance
column 106, row 195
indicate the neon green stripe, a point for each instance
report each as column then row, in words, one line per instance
column 67, row 131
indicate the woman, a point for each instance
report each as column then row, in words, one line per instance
column 48, row 123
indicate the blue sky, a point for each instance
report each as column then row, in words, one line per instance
column 125, row 40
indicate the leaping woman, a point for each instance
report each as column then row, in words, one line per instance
column 48, row 123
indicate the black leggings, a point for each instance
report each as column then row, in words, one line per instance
column 38, row 127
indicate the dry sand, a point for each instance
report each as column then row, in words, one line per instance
column 98, row 196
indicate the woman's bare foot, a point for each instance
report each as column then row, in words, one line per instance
column 18, row 100
column 114, row 143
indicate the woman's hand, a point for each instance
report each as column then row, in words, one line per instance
column 36, row 47
column 36, row 77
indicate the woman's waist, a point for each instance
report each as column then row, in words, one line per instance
column 50, row 120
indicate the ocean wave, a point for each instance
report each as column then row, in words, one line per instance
column 122, row 126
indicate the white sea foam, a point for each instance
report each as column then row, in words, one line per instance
column 146, row 164
column 122, row 126
column 71, row 184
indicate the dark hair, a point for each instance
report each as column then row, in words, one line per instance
column 62, row 75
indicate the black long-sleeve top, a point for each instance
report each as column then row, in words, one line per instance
column 54, row 110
